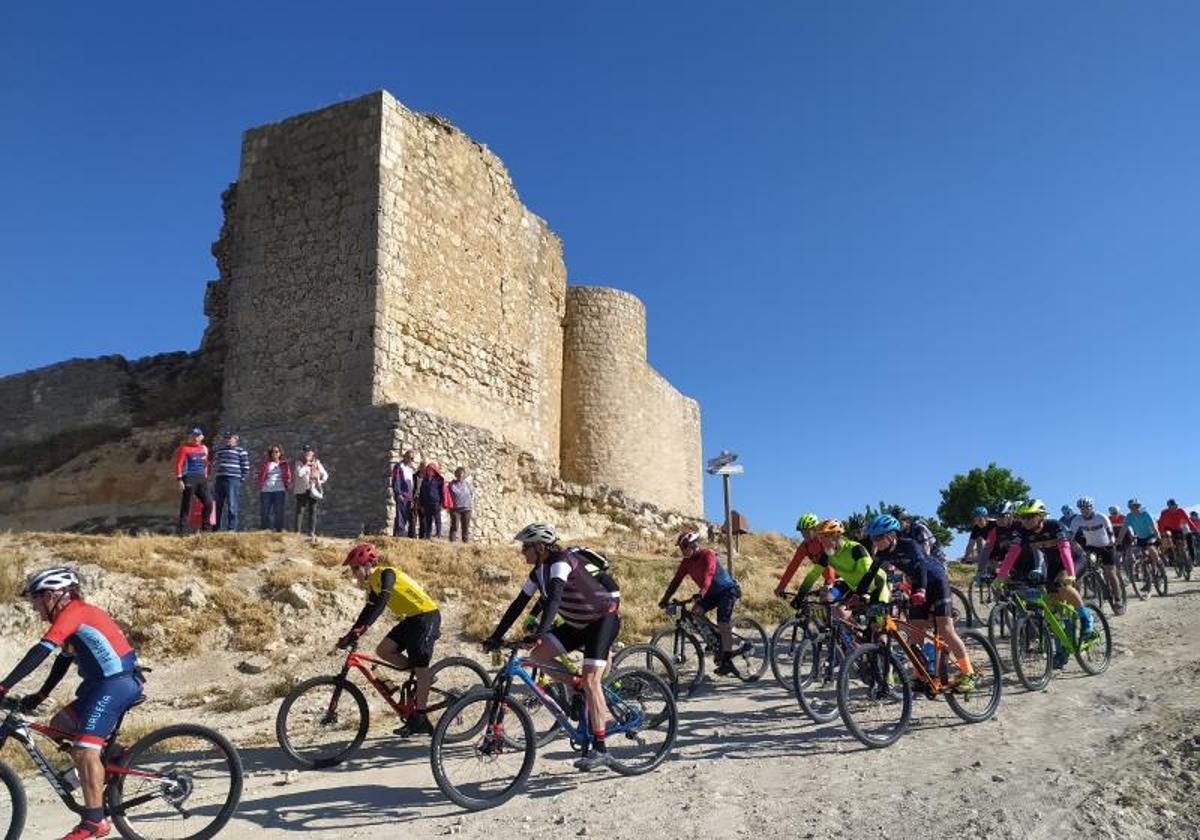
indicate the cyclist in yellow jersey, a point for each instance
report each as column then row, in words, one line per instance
column 409, row 643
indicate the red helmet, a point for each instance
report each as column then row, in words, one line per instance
column 363, row 554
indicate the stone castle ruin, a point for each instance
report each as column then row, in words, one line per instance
column 381, row 287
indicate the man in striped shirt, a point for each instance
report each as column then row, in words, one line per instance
column 230, row 466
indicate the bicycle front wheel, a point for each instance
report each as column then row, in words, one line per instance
column 182, row 782
column 750, row 649
column 452, row 678
column 875, row 695
column 1033, row 652
column 815, row 670
column 981, row 596
column 983, row 700
column 487, row 769
column 1158, row 572
column 1095, row 655
column 1134, row 572
column 322, row 722
column 785, row 642
column 685, row 654
column 643, row 721
column 12, row 804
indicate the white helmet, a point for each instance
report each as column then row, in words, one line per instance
column 51, row 580
column 537, row 532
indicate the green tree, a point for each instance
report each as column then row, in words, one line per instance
column 988, row 486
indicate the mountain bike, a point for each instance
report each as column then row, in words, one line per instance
column 875, row 685
column 1093, row 585
column 1175, row 546
column 324, row 720
column 694, row 635
column 818, row 661
column 182, row 781
column 1147, row 570
column 980, row 593
column 1131, row 568
column 488, row 768
column 788, row 636
column 1048, row 626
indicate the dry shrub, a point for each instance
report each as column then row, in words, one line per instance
column 252, row 622
column 13, row 562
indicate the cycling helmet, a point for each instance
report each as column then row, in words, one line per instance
column 979, row 510
column 1133, row 502
column 537, row 532
column 806, row 521
column 1065, row 509
column 882, row 524
column 1033, row 507
column 1006, row 508
column 830, row 528
column 1085, row 502
column 1113, row 509
column 687, row 538
column 51, row 580
column 363, row 554
column 1172, row 503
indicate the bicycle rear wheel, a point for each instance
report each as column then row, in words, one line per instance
column 785, row 642
column 1000, row 623
column 815, row 670
column 649, row 658
column 1033, row 652
column 685, row 654
column 322, row 722
column 487, row 769
column 1095, row 656
column 643, row 721
column 183, row 782
column 981, row 596
column 452, row 678
column 12, row 804
column 982, row 702
column 875, row 695
column 750, row 649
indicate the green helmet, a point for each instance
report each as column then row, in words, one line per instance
column 1031, row 507
column 806, row 521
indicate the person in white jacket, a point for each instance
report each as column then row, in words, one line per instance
column 308, row 483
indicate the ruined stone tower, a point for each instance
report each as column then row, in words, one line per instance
column 382, row 287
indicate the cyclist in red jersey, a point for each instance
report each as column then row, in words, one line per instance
column 810, row 549
column 1175, row 519
column 112, row 682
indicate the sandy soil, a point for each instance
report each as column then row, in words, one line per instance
column 1114, row 756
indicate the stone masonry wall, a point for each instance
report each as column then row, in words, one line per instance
column 623, row 424
column 299, row 256
column 471, row 287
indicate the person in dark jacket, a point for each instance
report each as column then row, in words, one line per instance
column 431, row 498
column 401, row 482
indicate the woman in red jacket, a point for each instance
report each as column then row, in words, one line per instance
column 274, row 481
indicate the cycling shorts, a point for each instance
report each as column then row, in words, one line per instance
column 99, row 706
column 415, row 637
column 722, row 601
column 1146, row 542
column 596, row 639
column 938, row 602
column 1108, row 557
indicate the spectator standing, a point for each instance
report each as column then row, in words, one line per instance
column 191, row 471
column 274, row 480
column 462, row 501
column 401, row 482
column 231, row 467
column 431, row 498
column 309, row 487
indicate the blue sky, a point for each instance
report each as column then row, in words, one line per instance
column 880, row 243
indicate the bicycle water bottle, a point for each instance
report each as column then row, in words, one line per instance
column 930, row 653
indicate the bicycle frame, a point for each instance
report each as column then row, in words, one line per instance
column 365, row 665
column 920, row 664
column 1049, row 613
column 696, row 625
column 22, row 731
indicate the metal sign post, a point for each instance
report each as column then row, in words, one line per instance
column 723, row 466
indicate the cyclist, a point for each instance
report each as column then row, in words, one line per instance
column 809, row 549
column 1098, row 537
column 850, row 562
column 1063, row 559
column 408, row 644
column 1194, row 519
column 915, row 529
column 1174, row 520
column 1141, row 525
column 718, row 590
column 930, row 590
column 590, row 621
column 191, row 471
column 981, row 526
column 1067, row 515
column 112, row 682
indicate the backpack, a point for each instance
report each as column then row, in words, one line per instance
column 593, row 561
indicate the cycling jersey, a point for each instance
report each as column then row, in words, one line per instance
column 191, row 459
column 1117, row 520
column 710, row 576
column 810, row 549
column 1141, row 524
column 851, row 562
column 99, row 647
column 1174, row 519
column 406, row 597
column 909, row 557
column 1053, row 541
column 584, row 598
column 1096, row 529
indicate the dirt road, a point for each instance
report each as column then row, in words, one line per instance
column 1114, row 756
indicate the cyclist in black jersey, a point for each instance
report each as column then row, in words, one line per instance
column 588, row 607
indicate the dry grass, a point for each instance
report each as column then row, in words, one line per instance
column 13, row 562
column 252, row 623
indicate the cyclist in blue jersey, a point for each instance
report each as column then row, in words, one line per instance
column 1144, row 529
